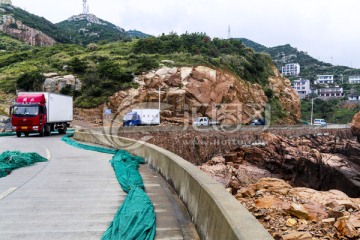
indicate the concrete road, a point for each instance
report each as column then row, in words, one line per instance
column 75, row 195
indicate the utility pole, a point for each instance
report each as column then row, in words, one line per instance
column 312, row 110
column 229, row 32
column 159, row 99
column 85, row 7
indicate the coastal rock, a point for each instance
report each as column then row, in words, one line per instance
column 212, row 93
column 355, row 125
column 295, row 235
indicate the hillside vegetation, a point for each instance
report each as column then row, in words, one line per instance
column 106, row 68
column 85, row 29
column 36, row 22
column 10, row 44
column 310, row 67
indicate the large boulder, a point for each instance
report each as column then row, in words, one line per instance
column 355, row 125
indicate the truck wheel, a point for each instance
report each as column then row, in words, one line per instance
column 63, row 129
column 47, row 130
column 18, row 134
column 41, row 133
column 26, row 134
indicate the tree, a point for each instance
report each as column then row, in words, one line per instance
column 30, row 81
column 77, row 65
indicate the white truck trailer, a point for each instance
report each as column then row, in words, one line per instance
column 139, row 117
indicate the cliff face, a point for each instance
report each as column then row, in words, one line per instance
column 17, row 29
column 288, row 97
column 187, row 92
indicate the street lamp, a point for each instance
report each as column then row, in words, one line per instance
column 312, row 110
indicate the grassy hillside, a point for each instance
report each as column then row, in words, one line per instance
column 10, row 44
column 106, row 68
column 333, row 110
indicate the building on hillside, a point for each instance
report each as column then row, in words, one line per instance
column 291, row 69
column 324, row 79
column 5, row 2
column 354, row 97
column 354, row 79
column 331, row 92
column 302, row 86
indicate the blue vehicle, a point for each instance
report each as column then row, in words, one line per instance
column 139, row 117
column 131, row 119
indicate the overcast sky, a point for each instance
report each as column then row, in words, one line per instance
column 327, row 30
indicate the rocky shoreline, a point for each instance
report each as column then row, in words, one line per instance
column 297, row 188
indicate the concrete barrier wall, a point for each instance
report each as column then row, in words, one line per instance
column 215, row 212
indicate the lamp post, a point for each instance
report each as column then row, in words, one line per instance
column 159, row 99
column 312, row 110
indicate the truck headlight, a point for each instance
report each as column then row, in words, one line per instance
column 35, row 127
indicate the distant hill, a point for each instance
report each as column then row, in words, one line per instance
column 310, row 67
column 80, row 29
column 251, row 44
column 137, row 34
column 87, row 28
column 19, row 23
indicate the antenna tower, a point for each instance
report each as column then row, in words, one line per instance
column 229, row 32
column 85, row 7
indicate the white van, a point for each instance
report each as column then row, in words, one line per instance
column 319, row 122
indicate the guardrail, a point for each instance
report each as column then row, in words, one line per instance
column 215, row 212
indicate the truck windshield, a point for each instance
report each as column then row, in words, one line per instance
column 130, row 116
column 29, row 110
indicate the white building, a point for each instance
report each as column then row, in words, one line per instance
column 354, row 97
column 292, row 69
column 324, row 79
column 331, row 92
column 354, row 79
column 302, row 86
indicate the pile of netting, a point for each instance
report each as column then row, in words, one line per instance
column 6, row 134
column 11, row 160
column 135, row 219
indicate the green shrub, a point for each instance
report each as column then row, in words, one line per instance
column 30, row 81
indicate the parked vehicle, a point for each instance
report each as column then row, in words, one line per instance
column 139, row 117
column 205, row 121
column 320, row 122
column 41, row 112
column 258, row 121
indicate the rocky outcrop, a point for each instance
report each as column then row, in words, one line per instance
column 301, row 213
column 5, row 2
column 16, row 29
column 355, row 125
column 202, row 91
column 281, row 88
column 320, row 163
column 54, row 82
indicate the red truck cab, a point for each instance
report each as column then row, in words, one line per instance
column 28, row 115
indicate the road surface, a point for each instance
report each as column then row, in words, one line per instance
column 75, row 195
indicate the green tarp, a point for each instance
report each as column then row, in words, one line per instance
column 11, row 160
column 135, row 219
